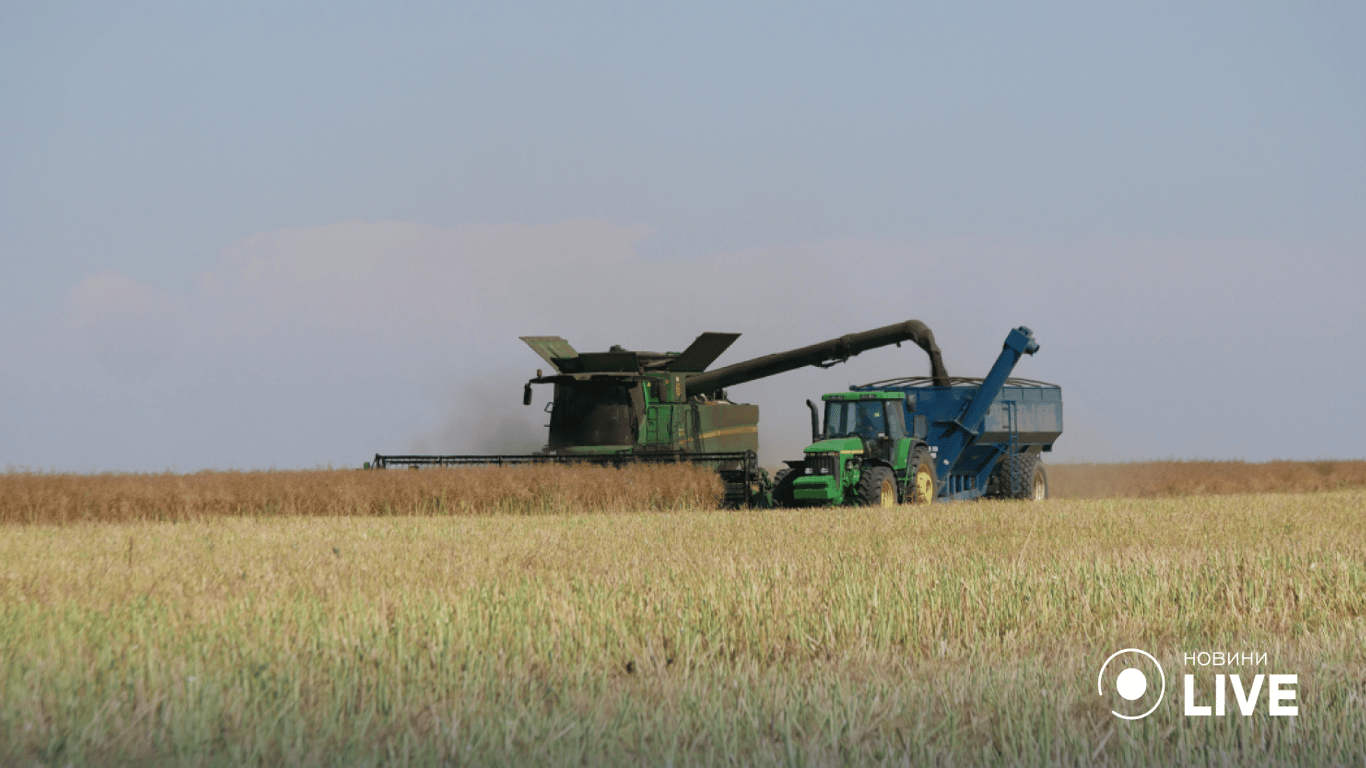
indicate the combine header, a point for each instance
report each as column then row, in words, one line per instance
column 620, row 407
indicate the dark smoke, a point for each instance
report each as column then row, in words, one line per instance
column 488, row 417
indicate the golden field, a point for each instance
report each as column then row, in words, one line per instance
column 116, row 497
column 1156, row 479
column 28, row 497
column 675, row 634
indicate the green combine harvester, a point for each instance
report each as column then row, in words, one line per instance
column 621, row 407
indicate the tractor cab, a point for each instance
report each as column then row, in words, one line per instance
column 876, row 419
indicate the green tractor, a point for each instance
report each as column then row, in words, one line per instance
column 866, row 456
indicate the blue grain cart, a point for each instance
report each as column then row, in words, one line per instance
column 934, row 438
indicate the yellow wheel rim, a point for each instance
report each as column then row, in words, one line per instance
column 924, row 486
column 888, row 494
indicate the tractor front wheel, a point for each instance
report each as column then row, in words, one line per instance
column 783, row 495
column 877, row 487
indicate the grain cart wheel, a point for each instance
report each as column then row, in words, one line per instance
column 922, row 484
column 1040, row 482
column 782, row 487
column 877, row 487
column 1021, row 476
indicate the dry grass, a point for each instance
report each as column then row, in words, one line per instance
column 964, row 634
column 66, row 498
column 1156, row 479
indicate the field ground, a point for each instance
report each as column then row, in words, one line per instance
column 960, row 634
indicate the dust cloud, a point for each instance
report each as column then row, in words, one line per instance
column 486, row 417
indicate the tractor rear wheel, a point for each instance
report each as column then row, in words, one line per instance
column 877, row 487
column 922, row 482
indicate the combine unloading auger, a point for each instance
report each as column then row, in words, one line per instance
column 824, row 355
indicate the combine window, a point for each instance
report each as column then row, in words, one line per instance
column 592, row 413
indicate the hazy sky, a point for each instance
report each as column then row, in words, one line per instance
column 247, row 236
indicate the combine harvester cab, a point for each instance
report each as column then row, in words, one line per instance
column 935, row 438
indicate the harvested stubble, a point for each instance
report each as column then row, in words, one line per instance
column 67, row 498
column 966, row 634
column 1156, row 479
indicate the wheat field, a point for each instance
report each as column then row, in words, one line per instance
column 676, row 634
column 56, row 498
column 1156, row 479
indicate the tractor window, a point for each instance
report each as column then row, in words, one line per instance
column 896, row 419
column 856, row 418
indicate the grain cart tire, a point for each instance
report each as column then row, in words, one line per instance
column 1021, row 476
column 922, row 482
column 877, row 487
column 782, row 487
column 1039, row 483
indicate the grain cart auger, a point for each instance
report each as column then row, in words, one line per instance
column 918, row 439
column 621, row 406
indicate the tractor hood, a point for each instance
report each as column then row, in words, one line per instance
column 837, row 445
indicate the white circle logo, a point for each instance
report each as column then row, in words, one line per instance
column 1132, row 683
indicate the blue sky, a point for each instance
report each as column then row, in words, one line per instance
column 252, row 236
